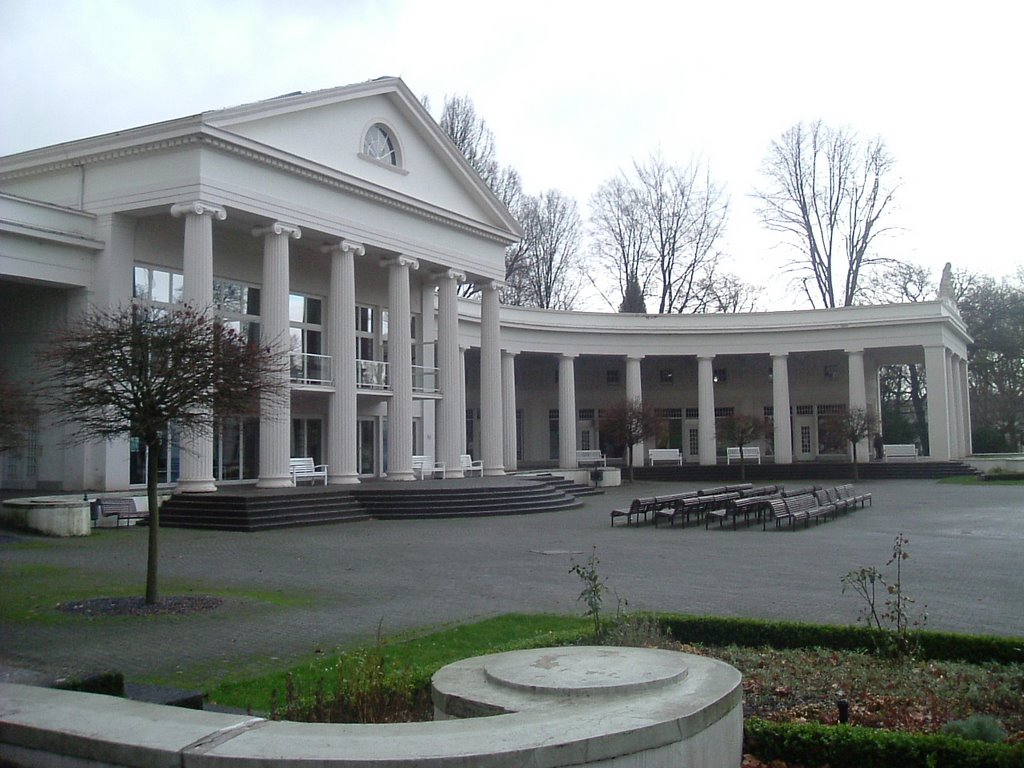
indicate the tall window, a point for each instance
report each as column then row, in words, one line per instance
column 158, row 286
column 239, row 306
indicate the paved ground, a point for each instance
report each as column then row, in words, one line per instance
column 339, row 582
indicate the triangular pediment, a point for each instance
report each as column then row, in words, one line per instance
column 328, row 128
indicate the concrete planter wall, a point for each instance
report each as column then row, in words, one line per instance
column 53, row 516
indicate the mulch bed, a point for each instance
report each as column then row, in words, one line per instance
column 178, row 605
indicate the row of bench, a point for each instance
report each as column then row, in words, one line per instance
column 744, row 500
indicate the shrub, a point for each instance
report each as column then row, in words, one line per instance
column 977, row 727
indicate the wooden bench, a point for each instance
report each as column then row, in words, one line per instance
column 750, row 507
column 669, row 507
column 672, row 455
column 806, row 508
column 305, row 469
column 847, row 493
column 124, row 508
column 749, row 452
column 591, row 457
column 425, row 466
column 899, row 451
column 469, row 466
column 637, row 507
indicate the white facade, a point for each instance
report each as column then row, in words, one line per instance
column 339, row 225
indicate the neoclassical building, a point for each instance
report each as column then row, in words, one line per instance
column 339, row 225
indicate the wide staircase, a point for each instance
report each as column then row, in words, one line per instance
column 251, row 509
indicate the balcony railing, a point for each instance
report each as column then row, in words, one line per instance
column 424, row 379
column 372, row 374
column 315, row 370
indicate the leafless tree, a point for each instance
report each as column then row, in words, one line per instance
column 740, row 430
column 853, row 426
column 135, row 371
column 621, row 235
column 548, row 274
column 628, row 423
column 829, row 194
column 16, row 413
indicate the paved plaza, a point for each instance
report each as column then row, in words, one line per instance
column 294, row 591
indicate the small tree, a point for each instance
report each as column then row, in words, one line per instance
column 854, row 426
column 628, row 423
column 741, row 430
column 135, row 371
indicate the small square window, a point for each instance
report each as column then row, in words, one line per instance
column 665, row 375
column 720, row 375
column 611, row 376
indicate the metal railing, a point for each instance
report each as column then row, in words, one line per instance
column 310, row 369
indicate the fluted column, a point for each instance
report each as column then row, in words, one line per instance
column 567, row 412
column 508, row 401
column 196, row 468
column 938, row 402
column 706, row 408
column 342, row 461
column 426, row 354
column 783, row 425
column 955, row 421
column 965, row 413
column 634, row 393
column 463, row 448
column 276, row 412
column 451, row 412
column 492, row 442
column 858, row 396
column 400, row 363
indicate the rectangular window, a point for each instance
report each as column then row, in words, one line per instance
column 694, row 442
column 665, row 375
column 724, row 412
column 611, row 376
column 693, row 413
column 586, row 414
column 553, row 434
column 805, row 410
column 720, row 376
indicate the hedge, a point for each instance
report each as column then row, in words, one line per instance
column 847, row 746
column 938, row 646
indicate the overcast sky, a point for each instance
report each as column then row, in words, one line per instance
column 574, row 91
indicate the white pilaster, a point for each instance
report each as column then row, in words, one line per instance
column 955, row 421
column 634, row 393
column 275, row 412
column 491, row 439
column 858, row 393
column 400, row 446
column 462, row 402
column 508, row 401
column 196, row 468
column 938, row 403
column 451, row 410
column 965, row 413
column 706, row 409
column 342, row 465
column 783, row 424
column 567, row 411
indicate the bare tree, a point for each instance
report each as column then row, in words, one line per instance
column 829, row 194
column 740, row 430
column 135, row 371
column 853, row 426
column 621, row 234
column 548, row 274
column 628, row 423
column 16, row 413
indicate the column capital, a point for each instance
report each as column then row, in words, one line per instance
column 855, row 351
column 779, row 355
column 635, row 357
column 448, row 274
column 344, row 246
column 489, row 285
column 568, row 355
column 200, row 208
column 278, row 228
column 401, row 260
column 709, row 358
column 509, row 352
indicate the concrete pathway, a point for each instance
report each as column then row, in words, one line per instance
column 317, row 588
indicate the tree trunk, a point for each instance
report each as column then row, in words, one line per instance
column 152, row 478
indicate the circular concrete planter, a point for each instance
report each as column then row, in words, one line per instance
column 50, row 515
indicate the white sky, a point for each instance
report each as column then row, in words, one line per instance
column 574, row 91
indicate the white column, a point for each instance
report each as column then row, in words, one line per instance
column 858, row 396
column 342, row 464
column 427, row 355
column 706, row 411
column 938, row 403
column 492, row 442
column 400, row 363
column 956, row 425
column 462, row 401
column 508, row 401
column 783, row 424
column 567, row 412
column 634, row 393
column 196, row 469
column 965, row 414
column 451, row 412
column 276, row 412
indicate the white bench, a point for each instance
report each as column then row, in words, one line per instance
column 425, row 466
column 751, row 452
column 469, row 466
column 898, row 451
column 665, row 454
column 591, row 457
column 305, row 469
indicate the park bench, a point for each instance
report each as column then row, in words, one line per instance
column 591, row 457
column 671, row 455
column 807, row 508
column 123, row 508
column 425, row 466
column 668, row 507
column 899, row 451
column 306, row 469
column 847, row 493
column 749, row 452
column 469, row 466
column 637, row 507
